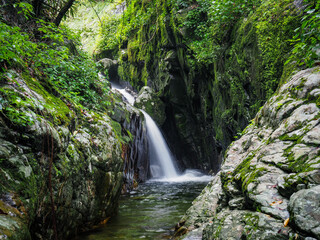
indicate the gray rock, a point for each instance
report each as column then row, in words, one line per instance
column 245, row 225
column 304, row 208
column 109, row 65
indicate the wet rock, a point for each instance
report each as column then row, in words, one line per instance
column 245, row 225
column 87, row 152
column 110, row 67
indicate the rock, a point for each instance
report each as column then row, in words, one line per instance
column 304, row 208
column 88, row 152
column 271, row 174
column 148, row 101
column 110, row 67
column 245, row 225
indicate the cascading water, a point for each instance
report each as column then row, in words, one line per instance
column 161, row 161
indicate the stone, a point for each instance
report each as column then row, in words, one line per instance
column 87, row 151
column 109, row 65
column 312, row 137
column 244, row 225
column 148, row 101
column 304, row 208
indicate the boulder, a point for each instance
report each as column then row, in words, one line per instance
column 110, row 67
column 87, row 152
column 304, row 208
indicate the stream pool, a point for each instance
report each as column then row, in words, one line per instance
column 149, row 212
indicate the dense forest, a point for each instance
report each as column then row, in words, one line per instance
column 220, row 78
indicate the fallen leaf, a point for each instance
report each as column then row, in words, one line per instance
column 286, row 222
column 276, row 202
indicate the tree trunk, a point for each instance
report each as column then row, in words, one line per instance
column 63, row 12
column 37, row 6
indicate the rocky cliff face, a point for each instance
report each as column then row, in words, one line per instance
column 135, row 153
column 61, row 166
column 268, row 185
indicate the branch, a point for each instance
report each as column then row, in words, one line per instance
column 63, row 12
column 95, row 12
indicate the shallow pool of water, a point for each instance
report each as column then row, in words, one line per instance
column 149, row 212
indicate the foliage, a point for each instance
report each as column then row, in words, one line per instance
column 75, row 78
column 225, row 12
column 143, row 28
column 10, row 102
column 95, row 22
column 17, row 48
column 306, row 50
column 107, row 38
column 24, row 8
column 274, row 23
column 196, row 21
column 72, row 76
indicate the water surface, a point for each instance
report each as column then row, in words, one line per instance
column 149, row 212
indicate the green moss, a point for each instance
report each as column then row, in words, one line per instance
column 58, row 110
column 247, row 173
column 116, row 127
column 251, row 221
column 293, row 137
column 297, row 164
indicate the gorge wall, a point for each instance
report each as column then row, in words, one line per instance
column 63, row 167
column 211, row 87
column 268, row 185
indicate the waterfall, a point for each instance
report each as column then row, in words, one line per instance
column 161, row 160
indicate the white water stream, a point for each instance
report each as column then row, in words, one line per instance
column 161, row 160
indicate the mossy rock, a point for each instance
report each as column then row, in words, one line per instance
column 152, row 104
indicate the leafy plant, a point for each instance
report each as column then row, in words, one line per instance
column 11, row 106
column 225, row 12
column 76, row 78
column 306, row 42
column 24, row 8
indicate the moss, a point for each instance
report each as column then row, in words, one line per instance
column 218, row 226
column 246, row 173
column 60, row 113
column 251, row 221
column 293, row 137
column 297, row 164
